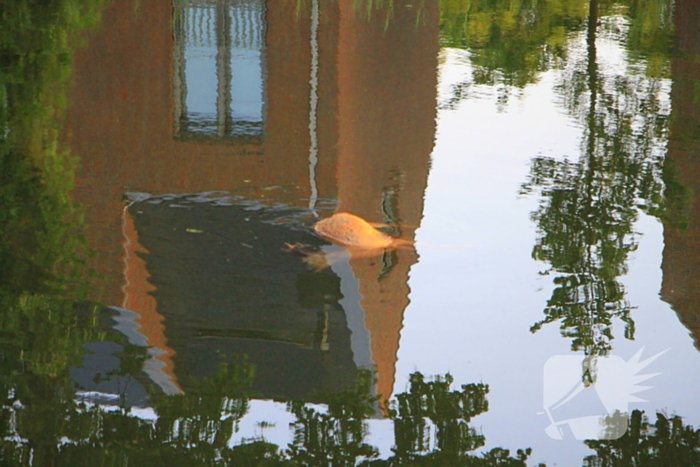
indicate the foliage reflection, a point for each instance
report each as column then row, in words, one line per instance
column 512, row 43
column 588, row 208
column 586, row 226
column 431, row 426
column 666, row 442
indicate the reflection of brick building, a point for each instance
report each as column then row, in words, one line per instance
column 681, row 262
column 121, row 123
column 372, row 134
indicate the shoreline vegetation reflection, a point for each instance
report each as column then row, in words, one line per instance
column 46, row 328
column 587, row 207
column 43, row 247
column 431, row 426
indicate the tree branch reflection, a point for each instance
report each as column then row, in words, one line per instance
column 588, row 208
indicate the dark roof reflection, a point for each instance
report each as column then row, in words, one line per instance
column 226, row 287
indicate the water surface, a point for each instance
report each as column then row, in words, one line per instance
column 158, row 161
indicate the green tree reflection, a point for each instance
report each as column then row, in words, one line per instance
column 42, row 246
column 195, row 429
column 511, row 43
column 431, row 427
column 666, row 442
column 588, row 208
column 39, row 340
column 190, row 429
column 449, row 412
column 335, row 436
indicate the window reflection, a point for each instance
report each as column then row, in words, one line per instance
column 219, row 77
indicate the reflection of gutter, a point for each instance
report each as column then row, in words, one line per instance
column 313, row 106
column 250, row 334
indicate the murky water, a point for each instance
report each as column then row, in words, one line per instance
column 166, row 301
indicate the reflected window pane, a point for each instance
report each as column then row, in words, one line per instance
column 219, row 68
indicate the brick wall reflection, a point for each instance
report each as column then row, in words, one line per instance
column 681, row 261
column 375, row 130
